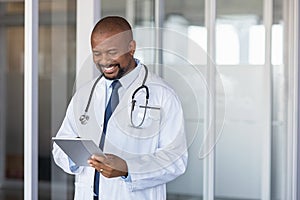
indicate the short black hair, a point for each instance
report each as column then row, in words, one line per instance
column 112, row 24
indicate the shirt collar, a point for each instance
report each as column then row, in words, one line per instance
column 128, row 79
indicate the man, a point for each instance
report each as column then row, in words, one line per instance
column 144, row 143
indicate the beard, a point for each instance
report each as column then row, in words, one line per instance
column 121, row 70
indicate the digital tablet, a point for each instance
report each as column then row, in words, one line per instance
column 79, row 150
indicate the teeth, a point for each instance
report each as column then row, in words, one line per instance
column 108, row 68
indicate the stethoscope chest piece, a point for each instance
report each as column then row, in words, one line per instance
column 84, row 119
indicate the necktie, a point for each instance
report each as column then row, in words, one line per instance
column 111, row 105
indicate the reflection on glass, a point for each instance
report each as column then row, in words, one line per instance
column 113, row 7
column 11, row 100
column 183, row 18
column 184, row 51
column 227, row 45
column 257, row 45
column 277, row 44
column 240, row 44
column 57, row 50
column 238, row 38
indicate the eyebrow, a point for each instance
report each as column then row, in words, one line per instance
column 106, row 50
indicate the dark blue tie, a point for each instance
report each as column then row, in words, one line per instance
column 111, row 105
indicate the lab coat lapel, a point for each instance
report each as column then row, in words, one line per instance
column 93, row 129
column 125, row 100
column 99, row 110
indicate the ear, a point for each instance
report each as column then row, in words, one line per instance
column 132, row 46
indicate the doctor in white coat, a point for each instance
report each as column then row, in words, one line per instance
column 140, row 157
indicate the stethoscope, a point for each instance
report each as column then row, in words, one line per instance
column 84, row 118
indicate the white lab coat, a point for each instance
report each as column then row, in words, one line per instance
column 155, row 154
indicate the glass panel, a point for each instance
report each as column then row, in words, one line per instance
column 277, row 33
column 240, row 152
column 184, row 60
column 57, row 56
column 143, row 24
column 184, row 23
column 56, row 72
column 113, row 7
column 11, row 100
column 239, row 32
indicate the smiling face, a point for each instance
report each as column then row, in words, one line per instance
column 113, row 52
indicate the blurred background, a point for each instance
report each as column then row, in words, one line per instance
column 250, row 45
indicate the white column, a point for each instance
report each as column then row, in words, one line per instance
column 296, row 180
column 291, row 19
column 31, row 101
column 266, row 148
column 159, row 22
column 88, row 13
column 210, row 104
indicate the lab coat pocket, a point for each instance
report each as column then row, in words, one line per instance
column 145, row 119
column 140, row 121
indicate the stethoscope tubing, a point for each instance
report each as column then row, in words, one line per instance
column 84, row 117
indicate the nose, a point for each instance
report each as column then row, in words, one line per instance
column 103, row 60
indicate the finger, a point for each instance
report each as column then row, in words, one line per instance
column 95, row 164
column 92, row 163
column 98, row 158
column 109, row 155
column 106, row 172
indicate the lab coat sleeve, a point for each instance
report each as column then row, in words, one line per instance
column 170, row 159
column 67, row 129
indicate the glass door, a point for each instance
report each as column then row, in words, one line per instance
column 11, row 100
column 56, row 65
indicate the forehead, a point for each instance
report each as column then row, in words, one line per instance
column 108, row 40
